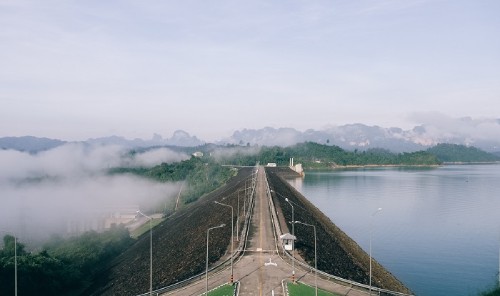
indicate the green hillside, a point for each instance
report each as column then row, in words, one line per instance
column 313, row 155
column 461, row 153
column 201, row 176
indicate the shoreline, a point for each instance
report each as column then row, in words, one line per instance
column 341, row 255
column 342, row 167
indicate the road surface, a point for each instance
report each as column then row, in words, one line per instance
column 260, row 270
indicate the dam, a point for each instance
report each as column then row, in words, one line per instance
column 251, row 258
column 262, row 266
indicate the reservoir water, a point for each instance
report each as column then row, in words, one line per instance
column 438, row 230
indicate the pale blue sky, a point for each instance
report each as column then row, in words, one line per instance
column 80, row 69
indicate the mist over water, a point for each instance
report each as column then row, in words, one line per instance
column 40, row 193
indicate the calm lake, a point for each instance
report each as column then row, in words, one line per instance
column 438, row 230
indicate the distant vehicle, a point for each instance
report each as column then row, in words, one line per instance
column 271, row 164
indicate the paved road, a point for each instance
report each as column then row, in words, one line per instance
column 260, row 271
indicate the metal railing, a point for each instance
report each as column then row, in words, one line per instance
column 224, row 264
column 330, row 277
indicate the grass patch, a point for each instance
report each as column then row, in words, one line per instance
column 145, row 228
column 300, row 289
column 225, row 290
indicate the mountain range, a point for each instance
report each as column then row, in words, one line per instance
column 33, row 144
column 350, row 137
column 362, row 137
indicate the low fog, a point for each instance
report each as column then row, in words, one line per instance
column 440, row 127
column 41, row 194
column 224, row 153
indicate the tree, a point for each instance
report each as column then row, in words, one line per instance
column 9, row 243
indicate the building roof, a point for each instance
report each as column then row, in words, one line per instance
column 287, row 236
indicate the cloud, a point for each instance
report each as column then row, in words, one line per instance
column 42, row 192
column 437, row 126
column 156, row 156
column 63, row 161
column 37, row 210
column 223, row 153
column 78, row 159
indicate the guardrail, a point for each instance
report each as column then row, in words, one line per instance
column 327, row 276
column 236, row 291
column 223, row 265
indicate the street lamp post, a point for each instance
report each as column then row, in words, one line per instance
column 150, row 252
column 246, row 187
column 371, row 230
column 293, row 241
column 244, row 205
column 499, row 263
column 232, row 239
column 238, row 219
column 315, row 256
column 293, row 233
column 15, row 265
column 206, row 270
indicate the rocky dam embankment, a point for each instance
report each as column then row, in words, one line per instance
column 339, row 255
column 179, row 245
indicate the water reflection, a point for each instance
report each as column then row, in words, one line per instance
column 439, row 230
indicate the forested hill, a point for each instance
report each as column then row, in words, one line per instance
column 200, row 176
column 461, row 153
column 313, row 155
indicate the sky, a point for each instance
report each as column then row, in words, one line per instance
column 74, row 70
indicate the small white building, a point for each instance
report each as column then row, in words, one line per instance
column 288, row 240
